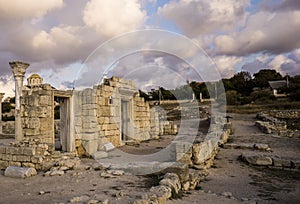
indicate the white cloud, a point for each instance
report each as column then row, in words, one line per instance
column 264, row 32
column 7, row 85
column 197, row 17
column 225, row 64
column 113, row 17
column 20, row 9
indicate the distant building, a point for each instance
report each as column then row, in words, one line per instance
column 276, row 85
column 34, row 80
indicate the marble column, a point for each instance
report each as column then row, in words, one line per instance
column 1, row 97
column 18, row 69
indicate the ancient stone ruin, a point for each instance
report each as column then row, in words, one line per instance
column 109, row 113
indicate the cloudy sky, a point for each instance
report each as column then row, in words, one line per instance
column 57, row 36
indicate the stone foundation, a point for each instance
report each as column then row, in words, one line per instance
column 29, row 153
column 275, row 122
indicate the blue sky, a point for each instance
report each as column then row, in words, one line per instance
column 57, row 36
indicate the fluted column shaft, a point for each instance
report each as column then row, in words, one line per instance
column 18, row 69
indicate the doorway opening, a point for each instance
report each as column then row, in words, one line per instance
column 125, row 120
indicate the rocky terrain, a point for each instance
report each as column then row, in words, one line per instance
column 230, row 180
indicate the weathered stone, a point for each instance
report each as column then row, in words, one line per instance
column 256, row 159
column 163, row 193
column 116, row 172
column 203, row 151
column 29, row 151
column 3, row 164
column 57, row 173
column 171, row 180
column 261, row 146
column 279, row 162
column 80, row 199
column 99, row 155
column 180, row 169
column 19, row 172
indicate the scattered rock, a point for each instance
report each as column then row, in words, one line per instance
column 80, row 199
column 56, row 173
column 19, row 172
column 120, row 194
column 116, row 172
column 107, row 175
column 100, row 166
column 261, row 146
column 93, row 201
column 227, row 194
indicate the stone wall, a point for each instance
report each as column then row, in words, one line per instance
column 200, row 155
column 98, row 116
column 37, row 113
column 28, row 153
column 276, row 122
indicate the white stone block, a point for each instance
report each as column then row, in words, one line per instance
column 19, row 172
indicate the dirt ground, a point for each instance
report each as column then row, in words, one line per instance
column 229, row 180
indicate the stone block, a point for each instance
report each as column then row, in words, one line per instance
column 99, row 155
column 28, row 165
column 23, row 158
column 14, row 150
column 202, row 151
column 2, row 149
column 7, row 157
column 279, row 162
column 37, row 159
column 19, row 172
column 14, row 163
column 29, row 151
column 172, row 181
column 257, row 159
column 90, row 146
column 3, row 164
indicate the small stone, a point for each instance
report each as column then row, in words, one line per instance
column 107, row 175
column 120, row 194
column 93, row 201
column 100, row 166
column 80, row 199
column 106, row 201
column 227, row 194
column 245, row 199
column 57, row 173
column 41, row 192
column 63, row 168
column 116, row 172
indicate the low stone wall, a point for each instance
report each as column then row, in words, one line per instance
column 201, row 155
column 273, row 122
column 271, row 161
column 29, row 153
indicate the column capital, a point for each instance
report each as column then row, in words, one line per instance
column 1, row 96
column 18, row 68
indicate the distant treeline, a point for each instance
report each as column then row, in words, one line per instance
column 242, row 88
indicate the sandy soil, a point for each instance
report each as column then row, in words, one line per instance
column 228, row 174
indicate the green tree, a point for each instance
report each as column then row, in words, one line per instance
column 241, row 82
column 263, row 76
column 231, row 97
